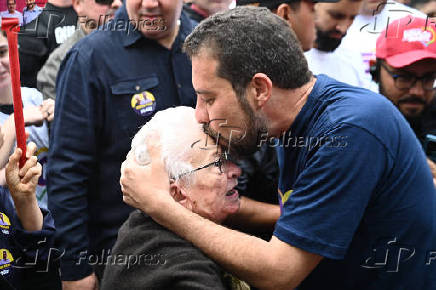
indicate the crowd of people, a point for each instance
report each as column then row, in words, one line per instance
column 218, row 144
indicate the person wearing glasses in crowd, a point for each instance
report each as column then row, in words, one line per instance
column 405, row 70
column 91, row 14
column 202, row 179
column 12, row 12
column 109, row 85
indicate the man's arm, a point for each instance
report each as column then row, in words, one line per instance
column 259, row 263
column 255, row 216
column 71, row 164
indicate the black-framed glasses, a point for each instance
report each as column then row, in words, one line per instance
column 222, row 161
column 407, row 81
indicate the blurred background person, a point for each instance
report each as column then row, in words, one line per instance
column 39, row 38
column 426, row 7
column 373, row 18
column 405, row 70
column 332, row 21
column 31, row 11
column 299, row 14
column 198, row 10
column 12, row 12
column 90, row 15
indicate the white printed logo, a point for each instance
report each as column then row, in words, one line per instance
column 419, row 35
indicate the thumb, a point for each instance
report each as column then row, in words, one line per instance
column 13, row 166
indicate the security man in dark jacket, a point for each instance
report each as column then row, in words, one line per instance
column 110, row 84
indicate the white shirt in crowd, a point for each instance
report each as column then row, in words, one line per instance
column 363, row 33
column 342, row 64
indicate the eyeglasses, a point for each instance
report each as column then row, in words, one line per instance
column 222, row 162
column 407, row 81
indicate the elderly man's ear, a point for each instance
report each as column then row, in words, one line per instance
column 178, row 193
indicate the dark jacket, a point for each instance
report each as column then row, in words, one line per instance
column 148, row 256
column 97, row 114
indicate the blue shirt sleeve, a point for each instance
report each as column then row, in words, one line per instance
column 331, row 193
column 71, row 160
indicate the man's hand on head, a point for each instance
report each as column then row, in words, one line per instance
column 146, row 187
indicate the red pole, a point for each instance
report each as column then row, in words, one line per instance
column 10, row 25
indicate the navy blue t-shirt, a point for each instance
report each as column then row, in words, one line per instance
column 356, row 189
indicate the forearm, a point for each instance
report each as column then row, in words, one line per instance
column 29, row 213
column 251, row 259
column 255, row 216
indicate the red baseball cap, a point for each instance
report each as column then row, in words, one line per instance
column 407, row 40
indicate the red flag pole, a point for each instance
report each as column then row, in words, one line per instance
column 10, row 25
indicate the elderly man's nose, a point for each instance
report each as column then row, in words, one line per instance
column 233, row 170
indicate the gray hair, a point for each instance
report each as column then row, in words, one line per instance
column 250, row 40
column 176, row 129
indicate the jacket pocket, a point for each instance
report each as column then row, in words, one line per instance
column 134, row 102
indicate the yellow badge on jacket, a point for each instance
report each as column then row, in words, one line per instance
column 143, row 103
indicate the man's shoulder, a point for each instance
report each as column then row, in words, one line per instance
column 141, row 225
column 140, row 233
column 93, row 44
column 356, row 106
